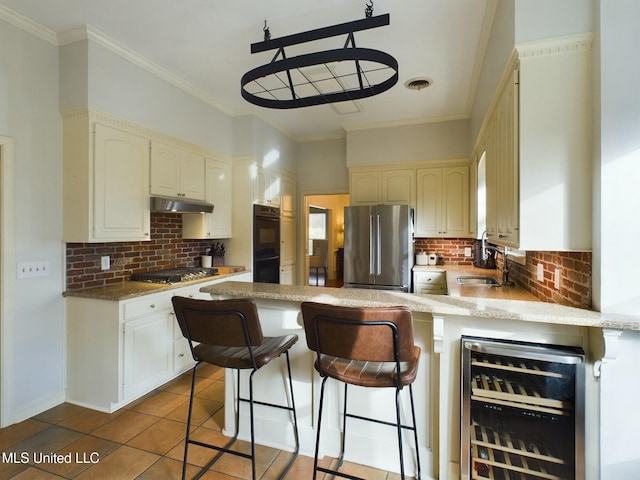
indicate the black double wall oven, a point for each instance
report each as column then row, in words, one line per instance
column 266, row 244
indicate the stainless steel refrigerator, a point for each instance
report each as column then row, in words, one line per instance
column 378, row 247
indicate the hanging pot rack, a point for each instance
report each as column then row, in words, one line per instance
column 294, row 82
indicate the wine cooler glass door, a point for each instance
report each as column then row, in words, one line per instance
column 522, row 411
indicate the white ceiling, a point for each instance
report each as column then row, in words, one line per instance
column 206, row 45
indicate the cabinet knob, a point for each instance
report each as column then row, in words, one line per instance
column 181, row 355
column 153, row 305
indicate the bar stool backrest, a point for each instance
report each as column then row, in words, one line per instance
column 382, row 334
column 225, row 323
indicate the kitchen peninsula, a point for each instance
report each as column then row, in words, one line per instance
column 439, row 323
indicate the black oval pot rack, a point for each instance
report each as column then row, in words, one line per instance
column 287, row 82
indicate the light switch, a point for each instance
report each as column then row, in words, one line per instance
column 105, row 263
column 556, row 279
column 33, row 269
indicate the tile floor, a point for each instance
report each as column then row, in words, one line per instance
column 143, row 440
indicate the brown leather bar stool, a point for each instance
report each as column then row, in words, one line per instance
column 368, row 347
column 227, row 333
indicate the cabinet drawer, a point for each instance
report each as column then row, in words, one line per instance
column 430, row 278
column 430, row 289
column 146, row 306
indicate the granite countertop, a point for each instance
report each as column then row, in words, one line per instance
column 125, row 290
column 482, row 307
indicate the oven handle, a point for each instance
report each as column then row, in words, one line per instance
column 529, row 353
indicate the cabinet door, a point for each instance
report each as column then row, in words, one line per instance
column 192, row 176
column 287, row 241
column 288, row 197
column 455, row 201
column 502, row 169
column 165, row 170
column 266, row 187
column 121, row 185
column 148, row 352
column 216, row 224
column 287, row 276
column 398, row 187
column 365, row 188
column 176, row 172
column 429, row 203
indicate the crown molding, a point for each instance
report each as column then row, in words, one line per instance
column 87, row 32
column 555, row 45
column 28, row 25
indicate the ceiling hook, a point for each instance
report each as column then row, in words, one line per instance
column 267, row 33
column 368, row 12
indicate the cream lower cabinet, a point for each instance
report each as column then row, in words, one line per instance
column 442, row 208
column 429, row 280
column 176, row 172
column 118, row 351
column 148, row 345
column 106, row 181
column 218, row 193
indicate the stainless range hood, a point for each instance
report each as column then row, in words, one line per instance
column 177, row 205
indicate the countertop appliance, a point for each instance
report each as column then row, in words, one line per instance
column 378, row 247
column 522, row 410
column 174, row 275
column 266, row 244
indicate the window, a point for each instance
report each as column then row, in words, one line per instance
column 317, row 225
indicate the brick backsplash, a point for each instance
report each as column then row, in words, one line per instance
column 575, row 270
column 452, row 249
column 166, row 249
column 575, row 277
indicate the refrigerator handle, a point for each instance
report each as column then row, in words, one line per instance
column 378, row 246
column 371, row 247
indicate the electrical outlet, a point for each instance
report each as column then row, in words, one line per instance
column 467, row 251
column 105, row 263
column 556, row 279
column 33, row 269
column 540, row 272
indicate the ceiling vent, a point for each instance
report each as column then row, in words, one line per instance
column 418, row 83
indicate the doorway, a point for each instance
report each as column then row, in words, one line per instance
column 324, row 233
column 6, row 280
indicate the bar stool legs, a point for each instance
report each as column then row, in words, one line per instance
column 399, row 426
column 251, row 402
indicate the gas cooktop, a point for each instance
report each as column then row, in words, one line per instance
column 174, row 275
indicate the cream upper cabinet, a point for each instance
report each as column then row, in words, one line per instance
column 442, row 208
column 106, row 182
column 501, row 150
column 538, row 148
column 266, row 187
column 383, row 187
column 365, row 188
column 218, row 193
column 176, row 172
column 288, row 197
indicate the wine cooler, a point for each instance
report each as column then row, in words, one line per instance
column 522, row 411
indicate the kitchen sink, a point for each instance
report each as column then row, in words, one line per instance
column 478, row 280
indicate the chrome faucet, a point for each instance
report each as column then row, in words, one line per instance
column 483, row 241
column 505, row 257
